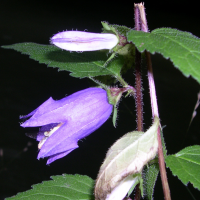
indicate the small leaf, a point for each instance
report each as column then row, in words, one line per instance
column 150, row 175
column 182, row 48
column 70, row 187
column 86, row 64
column 185, row 165
column 126, row 157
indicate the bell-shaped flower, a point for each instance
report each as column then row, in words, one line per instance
column 84, row 41
column 68, row 120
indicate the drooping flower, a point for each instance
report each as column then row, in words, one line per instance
column 84, row 41
column 68, row 120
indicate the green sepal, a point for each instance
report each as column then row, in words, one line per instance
column 120, row 31
column 114, row 119
column 107, row 28
column 127, row 50
column 114, row 28
column 114, row 98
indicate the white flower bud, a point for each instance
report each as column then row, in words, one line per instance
column 84, row 41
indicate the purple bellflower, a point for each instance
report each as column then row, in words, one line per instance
column 68, row 120
column 84, row 41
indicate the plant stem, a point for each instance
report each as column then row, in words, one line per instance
column 138, row 76
column 138, row 87
column 154, row 107
column 139, row 105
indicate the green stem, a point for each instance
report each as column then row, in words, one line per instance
column 122, row 81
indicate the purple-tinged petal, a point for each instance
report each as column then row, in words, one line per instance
column 47, row 127
column 69, row 134
column 58, row 156
column 62, row 146
column 84, row 41
column 39, row 136
column 67, row 108
column 29, row 115
column 46, row 107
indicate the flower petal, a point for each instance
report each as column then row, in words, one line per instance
column 84, row 41
column 122, row 189
column 68, row 108
column 58, row 156
column 69, row 134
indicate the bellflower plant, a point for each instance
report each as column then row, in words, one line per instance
column 134, row 161
column 84, row 41
column 68, row 120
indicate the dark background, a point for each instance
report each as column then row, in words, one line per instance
column 25, row 84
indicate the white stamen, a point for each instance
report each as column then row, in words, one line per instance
column 47, row 134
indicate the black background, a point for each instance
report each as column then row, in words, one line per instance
column 25, row 84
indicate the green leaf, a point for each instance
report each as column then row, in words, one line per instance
column 126, row 157
column 182, row 48
column 70, row 187
column 185, row 165
column 151, row 171
column 86, row 64
column 150, row 175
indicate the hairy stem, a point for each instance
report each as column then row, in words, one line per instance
column 138, row 87
column 154, row 107
column 139, row 105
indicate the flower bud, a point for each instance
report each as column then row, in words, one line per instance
column 84, row 41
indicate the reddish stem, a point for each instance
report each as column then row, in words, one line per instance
column 154, row 106
column 138, row 86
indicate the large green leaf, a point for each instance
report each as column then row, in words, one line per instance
column 85, row 64
column 186, row 165
column 125, row 159
column 70, row 187
column 182, row 48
